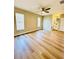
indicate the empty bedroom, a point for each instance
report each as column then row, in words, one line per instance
column 39, row 29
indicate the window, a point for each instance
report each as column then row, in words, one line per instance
column 38, row 22
column 19, row 21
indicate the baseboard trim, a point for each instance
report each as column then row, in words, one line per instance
column 25, row 33
column 58, row 30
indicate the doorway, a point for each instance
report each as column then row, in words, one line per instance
column 47, row 23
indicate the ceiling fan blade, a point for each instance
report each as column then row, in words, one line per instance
column 48, row 9
column 43, row 9
column 61, row 2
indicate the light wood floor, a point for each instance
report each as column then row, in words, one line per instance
column 40, row 45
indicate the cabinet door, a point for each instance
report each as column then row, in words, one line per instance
column 62, row 25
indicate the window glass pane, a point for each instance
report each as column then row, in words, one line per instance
column 20, row 21
column 39, row 22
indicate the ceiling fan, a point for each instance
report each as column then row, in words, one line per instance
column 45, row 10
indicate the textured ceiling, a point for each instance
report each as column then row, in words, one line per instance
column 36, row 5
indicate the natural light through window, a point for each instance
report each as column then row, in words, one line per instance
column 19, row 21
column 38, row 22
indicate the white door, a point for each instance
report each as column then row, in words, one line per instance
column 47, row 23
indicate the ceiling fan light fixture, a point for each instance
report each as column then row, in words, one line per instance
column 43, row 12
